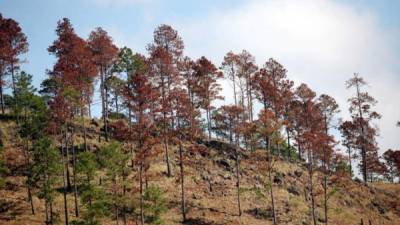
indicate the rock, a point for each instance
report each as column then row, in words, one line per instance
column 227, row 176
column 224, row 163
column 261, row 213
column 379, row 206
column 278, row 178
column 298, row 173
column 294, row 190
column 357, row 180
column 94, row 122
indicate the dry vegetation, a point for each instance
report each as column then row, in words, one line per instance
column 211, row 193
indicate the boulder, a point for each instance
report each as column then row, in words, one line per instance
column 261, row 213
column 224, row 163
column 294, row 190
column 278, row 178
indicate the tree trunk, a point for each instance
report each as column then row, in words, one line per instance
column 69, row 186
column 169, row 174
column 51, row 213
column 141, row 194
column 208, row 123
column 116, row 203
column 74, row 174
column 183, row 207
column 31, row 200
column 47, row 221
column 13, row 78
column 1, row 97
column 351, row 167
column 116, row 104
column 238, row 181
column 106, row 111
column 165, row 137
column 64, row 180
column 269, row 152
column 310, row 171
column 103, row 105
column 288, row 144
column 123, row 193
column 325, row 199
column 84, row 131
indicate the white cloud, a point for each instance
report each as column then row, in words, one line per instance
column 321, row 43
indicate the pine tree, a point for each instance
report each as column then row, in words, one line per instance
column 114, row 160
column 165, row 54
column 45, row 169
column 362, row 114
column 104, row 54
column 328, row 108
column 92, row 195
column 207, row 88
column 268, row 129
column 13, row 43
column 140, row 96
column 30, row 110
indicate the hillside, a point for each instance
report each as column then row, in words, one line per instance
column 211, row 193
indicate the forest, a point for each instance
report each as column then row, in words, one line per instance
column 163, row 119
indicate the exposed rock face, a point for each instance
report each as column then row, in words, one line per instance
column 261, row 213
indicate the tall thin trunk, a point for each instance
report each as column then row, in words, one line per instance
column 238, row 180
column 89, row 108
column 31, row 200
column 310, row 171
column 69, row 186
column 269, row 152
column 64, row 180
column 116, row 104
column 351, row 167
column 13, row 78
column 141, row 194
column 84, row 131
column 106, row 110
column 1, row 97
column 116, row 203
column 208, row 123
column 183, row 207
column 325, row 199
column 74, row 174
column 103, row 104
column 363, row 149
column 47, row 221
column 288, row 143
column 123, row 194
column 234, row 88
column 167, row 153
column 325, row 165
column 51, row 213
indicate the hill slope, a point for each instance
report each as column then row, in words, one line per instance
column 211, row 192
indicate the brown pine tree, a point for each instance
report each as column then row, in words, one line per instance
column 165, row 54
column 104, row 55
column 207, row 88
column 362, row 114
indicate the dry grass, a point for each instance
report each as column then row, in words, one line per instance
column 348, row 205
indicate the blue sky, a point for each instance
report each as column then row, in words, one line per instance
column 321, row 42
column 134, row 19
